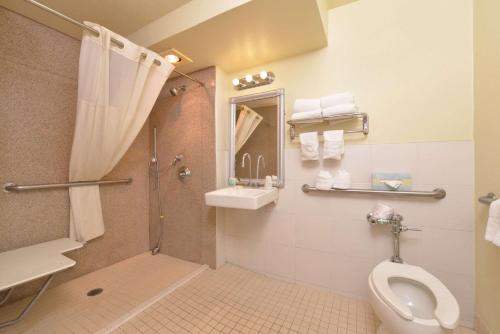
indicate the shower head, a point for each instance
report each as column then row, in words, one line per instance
column 177, row 90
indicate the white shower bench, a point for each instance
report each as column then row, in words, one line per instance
column 26, row 264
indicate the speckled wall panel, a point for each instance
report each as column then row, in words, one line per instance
column 38, row 93
column 185, row 124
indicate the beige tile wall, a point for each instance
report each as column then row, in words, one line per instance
column 38, row 92
column 185, row 125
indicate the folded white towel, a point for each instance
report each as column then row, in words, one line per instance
column 333, row 145
column 336, row 99
column 309, row 145
column 302, row 105
column 342, row 180
column 382, row 211
column 340, row 109
column 324, row 180
column 306, row 114
column 493, row 226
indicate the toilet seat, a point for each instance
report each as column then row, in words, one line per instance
column 447, row 311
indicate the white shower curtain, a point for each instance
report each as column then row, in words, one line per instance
column 116, row 92
column 247, row 122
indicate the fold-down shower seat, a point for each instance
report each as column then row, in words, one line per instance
column 26, row 264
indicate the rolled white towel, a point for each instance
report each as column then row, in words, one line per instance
column 309, row 146
column 302, row 105
column 336, row 99
column 342, row 180
column 324, row 180
column 333, row 145
column 340, row 109
column 493, row 226
column 382, row 211
column 306, row 115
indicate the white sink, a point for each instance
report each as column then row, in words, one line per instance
column 241, row 197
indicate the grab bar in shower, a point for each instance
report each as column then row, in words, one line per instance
column 438, row 193
column 13, row 187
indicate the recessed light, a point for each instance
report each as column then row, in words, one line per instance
column 176, row 57
column 171, row 58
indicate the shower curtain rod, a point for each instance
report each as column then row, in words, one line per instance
column 95, row 32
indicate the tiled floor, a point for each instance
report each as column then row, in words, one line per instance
column 234, row 300
column 227, row 300
column 128, row 286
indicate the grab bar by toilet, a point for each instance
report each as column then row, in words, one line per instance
column 438, row 193
column 488, row 199
column 13, row 187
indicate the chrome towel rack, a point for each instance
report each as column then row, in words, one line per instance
column 488, row 199
column 326, row 119
column 13, row 187
column 438, row 193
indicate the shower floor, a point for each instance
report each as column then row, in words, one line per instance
column 128, row 287
column 139, row 298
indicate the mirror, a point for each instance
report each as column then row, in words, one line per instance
column 257, row 130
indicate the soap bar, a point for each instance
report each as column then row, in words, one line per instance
column 382, row 181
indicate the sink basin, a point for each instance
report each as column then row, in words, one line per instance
column 241, row 197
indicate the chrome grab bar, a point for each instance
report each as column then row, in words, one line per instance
column 488, row 199
column 13, row 187
column 438, row 193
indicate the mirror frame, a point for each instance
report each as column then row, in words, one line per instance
column 280, row 94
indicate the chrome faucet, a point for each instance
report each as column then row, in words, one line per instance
column 261, row 157
column 247, row 156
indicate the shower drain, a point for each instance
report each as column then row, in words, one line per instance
column 94, row 292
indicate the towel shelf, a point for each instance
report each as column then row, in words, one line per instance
column 340, row 117
column 488, row 199
column 13, row 187
column 437, row 193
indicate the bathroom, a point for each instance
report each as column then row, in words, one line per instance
column 298, row 166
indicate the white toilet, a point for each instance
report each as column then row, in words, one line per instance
column 409, row 300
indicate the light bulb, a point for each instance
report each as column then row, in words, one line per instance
column 236, row 82
column 248, row 78
column 263, row 75
column 172, row 59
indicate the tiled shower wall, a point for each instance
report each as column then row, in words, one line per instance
column 38, row 92
column 324, row 239
column 185, row 125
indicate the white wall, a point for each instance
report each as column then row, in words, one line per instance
column 324, row 239
column 409, row 65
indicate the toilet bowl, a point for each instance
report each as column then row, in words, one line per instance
column 409, row 300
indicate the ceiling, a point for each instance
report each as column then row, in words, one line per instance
column 121, row 16
column 231, row 34
column 255, row 33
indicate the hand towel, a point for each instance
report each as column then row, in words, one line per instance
column 306, row 114
column 333, row 144
column 336, row 99
column 309, row 146
column 382, row 211
column 493, row 225
column 342, row 180
column 340, row 109
column 302, row 105
column 324, row 180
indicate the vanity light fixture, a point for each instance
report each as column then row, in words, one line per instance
column 251, row 81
